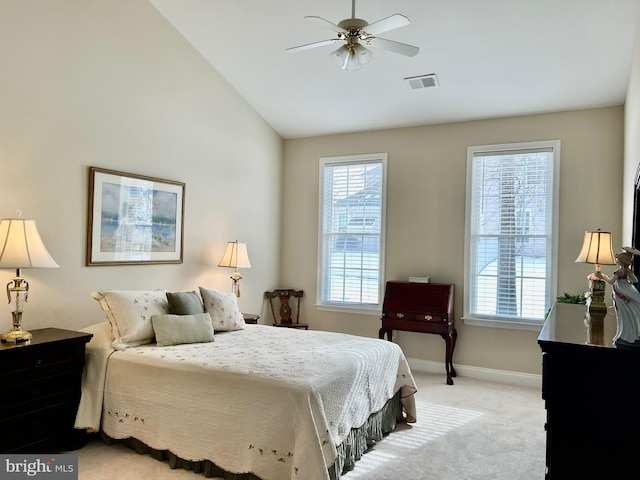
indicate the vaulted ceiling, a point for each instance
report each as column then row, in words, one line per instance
column 492, row 58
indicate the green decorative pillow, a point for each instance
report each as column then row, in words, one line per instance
column 177, row 329
column 185, row 303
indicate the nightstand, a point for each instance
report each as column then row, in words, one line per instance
column 251, row 318
column 40, row 391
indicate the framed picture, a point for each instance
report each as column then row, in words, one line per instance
column 133, row 219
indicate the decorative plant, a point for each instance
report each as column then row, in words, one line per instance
column 580, row 298
column 569, row 298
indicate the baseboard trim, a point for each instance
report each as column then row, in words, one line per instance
column 489, row 374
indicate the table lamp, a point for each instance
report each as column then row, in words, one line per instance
column 235, row 257
column 597, row 250
column 21, row 247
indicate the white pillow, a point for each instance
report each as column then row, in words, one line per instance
column 129, row 312
column 177, row 329
column 223, row 308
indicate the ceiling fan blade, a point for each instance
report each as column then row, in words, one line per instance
column 395, row 47
column 308, row 46
column 326, row 23
column 386, row 24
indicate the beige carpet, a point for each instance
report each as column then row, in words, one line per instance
column 474, row 430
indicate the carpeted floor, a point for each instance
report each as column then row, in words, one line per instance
column 473, row 430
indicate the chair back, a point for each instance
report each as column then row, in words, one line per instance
column 281, row 302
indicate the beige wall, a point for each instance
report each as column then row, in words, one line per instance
column 110, row 83
column 426, row 209
column 631, row 141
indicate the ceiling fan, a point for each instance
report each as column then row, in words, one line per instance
column 356, row 33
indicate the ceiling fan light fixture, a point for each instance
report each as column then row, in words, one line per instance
column 341, row 55
column 351, row 56
column 351, row 63
column 362, row 53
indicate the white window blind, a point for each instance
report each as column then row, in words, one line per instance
column 351, row 244
column 511, row 231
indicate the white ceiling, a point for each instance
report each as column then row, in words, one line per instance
column 493, row 58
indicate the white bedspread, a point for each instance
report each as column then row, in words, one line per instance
column 271, row 401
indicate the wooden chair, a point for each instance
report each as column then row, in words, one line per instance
column 284, row 316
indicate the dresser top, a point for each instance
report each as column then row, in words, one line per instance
column 569, row 324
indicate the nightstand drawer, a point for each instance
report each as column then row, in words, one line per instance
column 34, row 393
column 40, row 363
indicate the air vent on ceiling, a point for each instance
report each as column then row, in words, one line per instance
column 422, row 81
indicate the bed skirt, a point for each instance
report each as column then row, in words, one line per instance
column 351, row 450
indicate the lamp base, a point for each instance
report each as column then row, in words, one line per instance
column 235, row 283
column 596, row 308
column 595, row 296
column 16, row 335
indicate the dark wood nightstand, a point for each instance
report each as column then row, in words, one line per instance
column 40, row 391
column 251, row 318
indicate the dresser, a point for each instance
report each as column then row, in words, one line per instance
column 591, row 392
column 424, row 308
column 40, row 391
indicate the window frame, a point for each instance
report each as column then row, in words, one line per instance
column 361, row 308
column 518, row 323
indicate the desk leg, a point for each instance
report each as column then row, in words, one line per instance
column 453, row 347
column 450, row 341
column 388, row 331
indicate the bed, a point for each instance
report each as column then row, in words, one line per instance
column 269, row 403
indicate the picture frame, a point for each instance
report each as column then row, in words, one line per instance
column 134, row 219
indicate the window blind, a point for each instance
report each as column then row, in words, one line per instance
column 510, row 231
column 352, row 226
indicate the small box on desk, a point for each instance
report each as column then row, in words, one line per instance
column 420, row 279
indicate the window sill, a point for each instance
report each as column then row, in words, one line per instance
column 529, row 325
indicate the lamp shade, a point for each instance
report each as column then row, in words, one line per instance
column 235, row 256
column 597, row 249
column 21, row 245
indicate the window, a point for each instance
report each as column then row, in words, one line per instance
column 511, row 233
column 351, row 243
